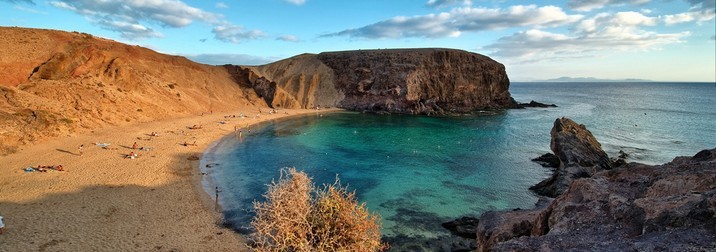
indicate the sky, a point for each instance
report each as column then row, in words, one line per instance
column 658, row 40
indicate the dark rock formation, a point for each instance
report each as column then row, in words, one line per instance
column 579, row 153
column 534, row 104
column 547, row 160
column 464, row 227
column 412, row 81
column 669, row 207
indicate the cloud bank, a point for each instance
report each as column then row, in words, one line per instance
column 607, row 32
column 464, row 19
column 132, row 18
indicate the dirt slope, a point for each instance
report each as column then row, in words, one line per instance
column 56, row 83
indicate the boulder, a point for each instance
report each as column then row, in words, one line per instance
column 580, row 156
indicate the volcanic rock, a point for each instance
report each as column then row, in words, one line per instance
column 580, row 156
column 411, row 81
column 534, row 104
column 669, row 207
column 547, row 160
column 464, row 227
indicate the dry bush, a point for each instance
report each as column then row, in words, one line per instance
column 298, row 217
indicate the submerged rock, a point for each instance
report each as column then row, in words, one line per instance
column 464, row 227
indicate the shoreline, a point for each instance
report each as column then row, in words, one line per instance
column 103, row 201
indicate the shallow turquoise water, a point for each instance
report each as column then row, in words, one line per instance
column 419, row 171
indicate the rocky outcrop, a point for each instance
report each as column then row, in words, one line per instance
column 669, row 207
column 534, row 104
column 580, row 156
column 412, row 81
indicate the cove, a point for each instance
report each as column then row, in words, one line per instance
column 415, row 171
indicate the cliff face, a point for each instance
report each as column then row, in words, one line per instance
column 415, row 81
column 56, row 83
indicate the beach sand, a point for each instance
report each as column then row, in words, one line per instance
column 105, row 202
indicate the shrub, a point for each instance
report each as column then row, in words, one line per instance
column 296, row 216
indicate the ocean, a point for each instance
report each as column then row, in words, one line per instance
column 419, row 171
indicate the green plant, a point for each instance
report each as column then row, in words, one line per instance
column 298, row 217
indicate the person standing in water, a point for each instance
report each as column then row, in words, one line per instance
column 217, row 195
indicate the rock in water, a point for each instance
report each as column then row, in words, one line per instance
column 669, row 207
column 547, row 160
column 411, row 81
column 580, row 156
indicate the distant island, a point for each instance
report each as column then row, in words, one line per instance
column 590, row 79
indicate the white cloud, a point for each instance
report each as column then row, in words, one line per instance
column 130, row 31
column 464, row 19
column 288, row 38
column 587, row 5
column 678, row 18
column 30, row 10
column 443, row 3
column 700, row 11
column 132, row 18
column 604, row 33
column 172, row 13
column 221, row 5
column 296, row 2
column 19, row 1
column 235, row 33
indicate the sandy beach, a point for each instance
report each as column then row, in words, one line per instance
column 103, row 201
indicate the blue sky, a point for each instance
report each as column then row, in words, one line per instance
column 660, row 40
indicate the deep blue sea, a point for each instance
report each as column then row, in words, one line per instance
column 419, row 171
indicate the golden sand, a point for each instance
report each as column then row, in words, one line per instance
column 103, row 201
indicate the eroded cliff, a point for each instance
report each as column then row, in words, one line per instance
column 411, row 81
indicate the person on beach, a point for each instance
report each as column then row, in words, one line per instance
column 2, row 225
column 134, row 146
column 80, row 149
column 217, row 194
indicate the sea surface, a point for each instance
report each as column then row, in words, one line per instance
column 419, row 171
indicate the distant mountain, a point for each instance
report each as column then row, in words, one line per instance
column 591, row 79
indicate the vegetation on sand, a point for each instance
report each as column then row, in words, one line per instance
column 297, row 216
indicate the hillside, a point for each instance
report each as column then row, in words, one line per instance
column 56, row 83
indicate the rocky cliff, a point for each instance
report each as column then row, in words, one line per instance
column 669, row 207
column 413, row 81
column 57, row 83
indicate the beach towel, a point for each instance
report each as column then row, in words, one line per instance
column 103, row 145
column 29, row 169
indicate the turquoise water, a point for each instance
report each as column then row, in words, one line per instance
column 418, row 171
